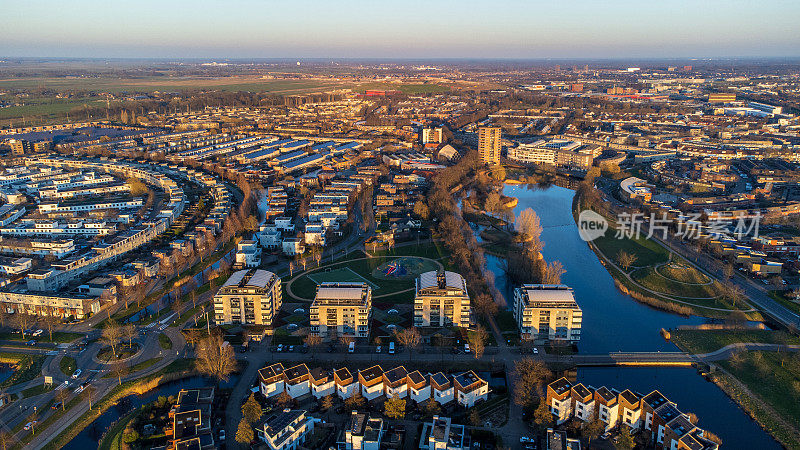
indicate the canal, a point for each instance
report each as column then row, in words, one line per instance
column 614, row 322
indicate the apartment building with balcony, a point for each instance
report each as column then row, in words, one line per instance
column 251, row 297
column 547, row 313
column 341, row 309
column 441, row 300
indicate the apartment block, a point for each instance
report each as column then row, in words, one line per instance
column 653, row 413
column 442, row 434
column 546, row 312
column 441, row 300
column 341, row 309
column 362, row 432
column 489, row 144
column 286, row 430
column 251, row 297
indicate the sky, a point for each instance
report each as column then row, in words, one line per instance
column 400, row 29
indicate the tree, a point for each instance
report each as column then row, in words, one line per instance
column 128, row 332
column 244, row 434
column 431, row 407
column 421, row 210
column 625, row 438
column 542, row 415
column 474, row 417
column 251, row 410
column 477, row 341
column 284, row 399
column 528, row 224
column 62, row 395
column 215, row 358
column 485, row 305
column 553, row 272
column 327, row 402
column 355, row 401
column 492, row 203
column 22, row 321
column 626, row 259
column 193, row 336
column 594, row 429
column 733, row 293
column 313, row 341
column 395, row 408
column 112, row 333
column 529, row 377
column 5, row 439
column 409, row 338
column 129, row 435
column 727, row 272
column 119, row 369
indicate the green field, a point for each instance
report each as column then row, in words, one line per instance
column 706, row 341
column 652, row 279
column 647, row 251
column 342, row 274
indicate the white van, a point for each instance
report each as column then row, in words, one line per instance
column 352, row 348
column 391, row 348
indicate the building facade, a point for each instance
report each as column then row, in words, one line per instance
column 441, row 300
column 251, row 297
column 341, row 309
column 547, row 312
column 489, row 144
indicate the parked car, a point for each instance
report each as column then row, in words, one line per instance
column 280, row 348
column 391, row 348
column 535, row 351
column 466, row 348
column 352, row 347
column 221, row 435
column 291, row 348
column 38, row 333
column 378, row 349
column 30, row 425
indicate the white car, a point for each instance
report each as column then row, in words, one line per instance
column 76, row 374
column 535, row 351
column 29, row 425
column 38, row 333
column 466, row 348
column 378, row 349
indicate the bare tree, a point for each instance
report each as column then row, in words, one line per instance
column 528, row 224
column 119, row 369
column 409, row 338
column 22, row 321
column 51, row 321
column 477, row 341
column 529, row 378
column 626, row 259
column 485, row 305
column 215, row 358
column 552, row 273
column 128, row 332
column 112, row 333
column 62, row 396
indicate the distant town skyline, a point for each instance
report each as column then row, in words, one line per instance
column 412, row 29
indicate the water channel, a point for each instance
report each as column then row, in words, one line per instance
column 614, row 322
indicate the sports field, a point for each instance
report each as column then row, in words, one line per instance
column 341, row 275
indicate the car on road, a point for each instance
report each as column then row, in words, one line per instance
column 535, row 351
column 291, row 348
column 30, row 425
column 38, row 333
column 76, row 374
column 466, row 348
column 222, row 435
column 378, row 349
column 352, row 347
column 56, row 405
column 31, row 342
column 81, row 388
column 280, row 348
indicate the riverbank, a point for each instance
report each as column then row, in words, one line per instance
column 174, row 371
column 653, row 275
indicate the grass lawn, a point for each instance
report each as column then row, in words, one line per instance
column 123, row 351
column 652, row 279
column 137, row 367
column 58, row 337
column 27, row 368
column 773, row 377
column 683, row 274
column 164, row 341
column 505, row 321
column 647, row 251
column 349, row 270
column 781, row 298
column 68, row 365
column 706, row 341
column 36, row 390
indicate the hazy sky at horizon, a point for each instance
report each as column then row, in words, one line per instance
column 408, row 29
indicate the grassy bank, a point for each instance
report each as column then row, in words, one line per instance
column 767, row 386
column 176, row 370
column 706, row 341
column 27, row 367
